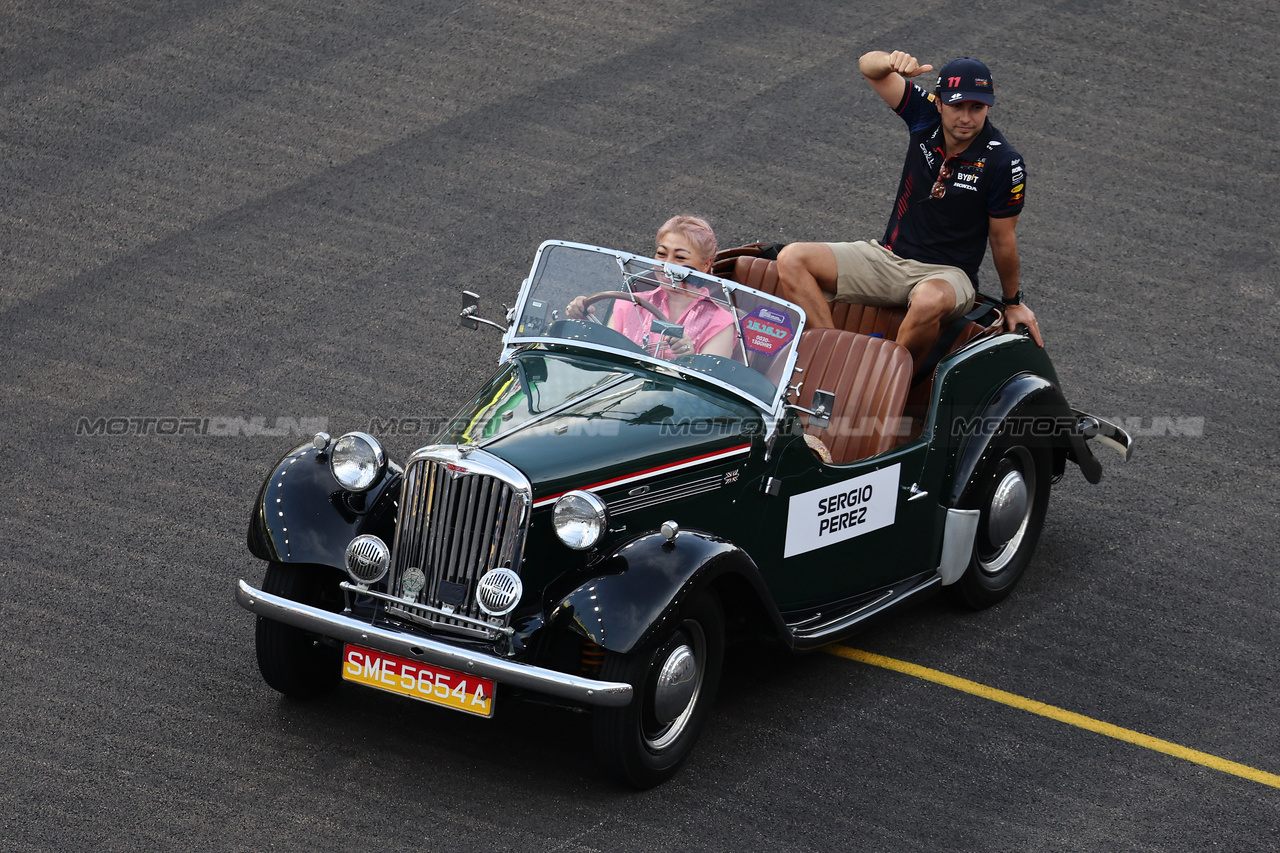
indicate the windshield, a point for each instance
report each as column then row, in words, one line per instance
column 698, row 324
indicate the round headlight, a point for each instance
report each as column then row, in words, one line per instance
column 357, row 461
column 368, row 559
column 579, row 519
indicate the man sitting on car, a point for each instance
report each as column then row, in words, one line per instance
column 962, row 184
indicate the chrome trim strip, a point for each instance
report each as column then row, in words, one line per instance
column 612, row 694
column 628, row 479
column 957, row 544
column 684, row 490
column 833, row 629
column 814, row 627
column 1105, row 432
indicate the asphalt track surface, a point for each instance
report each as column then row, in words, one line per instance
column 265, row 210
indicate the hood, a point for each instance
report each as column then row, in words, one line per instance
column 571, row 422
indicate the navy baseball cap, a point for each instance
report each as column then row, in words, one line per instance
column 965, row 79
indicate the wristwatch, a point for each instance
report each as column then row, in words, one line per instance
column 1016, row 299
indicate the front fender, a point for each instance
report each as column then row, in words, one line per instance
column 302, row 515
column 1048, row 416
column 639, row 590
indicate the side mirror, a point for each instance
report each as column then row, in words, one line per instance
column 470, row 308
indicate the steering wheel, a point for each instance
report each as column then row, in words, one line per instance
column 618, row 294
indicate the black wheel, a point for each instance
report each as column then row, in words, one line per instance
column 1011, row 491
column 645, row 743
column 299, row 664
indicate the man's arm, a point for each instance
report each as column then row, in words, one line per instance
column 888, row 73
column 1004, row 253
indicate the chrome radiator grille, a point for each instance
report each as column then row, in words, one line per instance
column 459, row 517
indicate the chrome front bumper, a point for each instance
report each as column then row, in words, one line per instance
column 612, row 694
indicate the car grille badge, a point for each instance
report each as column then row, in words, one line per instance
column 412, row 583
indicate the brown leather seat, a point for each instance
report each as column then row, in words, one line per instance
column 762, row 274
column 869, row 377
column 759, row 273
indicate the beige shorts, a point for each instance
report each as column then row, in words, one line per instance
column 872, row 275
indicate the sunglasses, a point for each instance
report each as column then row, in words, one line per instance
column 940, row 188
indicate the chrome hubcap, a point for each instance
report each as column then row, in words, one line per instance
column 1008, row 512
column 676, row 683
column 1008, row 508
column 676, row 687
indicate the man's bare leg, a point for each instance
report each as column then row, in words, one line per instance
column 805, row 270
column 931, row 301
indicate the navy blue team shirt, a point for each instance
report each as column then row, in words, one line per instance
column 987, row 180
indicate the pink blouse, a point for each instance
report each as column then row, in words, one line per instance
column 702, row 320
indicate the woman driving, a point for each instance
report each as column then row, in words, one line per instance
column 687, row 241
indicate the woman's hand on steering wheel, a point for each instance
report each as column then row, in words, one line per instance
column 578, row 309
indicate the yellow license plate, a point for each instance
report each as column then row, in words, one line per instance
column 417, row 680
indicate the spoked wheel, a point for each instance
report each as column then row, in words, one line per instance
column 297, row 663
column 1011, row 491
column 645, row 743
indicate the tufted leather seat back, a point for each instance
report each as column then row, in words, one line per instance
column 762, row 274
column 870, row 378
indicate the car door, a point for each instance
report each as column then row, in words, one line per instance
column 833, row 532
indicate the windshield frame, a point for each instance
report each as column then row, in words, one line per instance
column 513, row 341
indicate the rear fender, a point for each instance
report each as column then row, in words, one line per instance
column 1040, row 405
column 637, row 593
column 302, row 515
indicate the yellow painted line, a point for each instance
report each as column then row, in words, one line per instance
column 1058, row 714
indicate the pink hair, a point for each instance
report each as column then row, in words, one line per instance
column 698, row 231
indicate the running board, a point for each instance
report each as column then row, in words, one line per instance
column 811, row 633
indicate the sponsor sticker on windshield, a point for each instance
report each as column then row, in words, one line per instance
column 766, row 330
column 835, row 513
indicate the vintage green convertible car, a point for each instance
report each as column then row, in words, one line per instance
column 589, row 526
